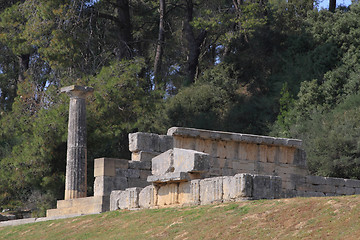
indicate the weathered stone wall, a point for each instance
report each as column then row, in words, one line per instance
column 119, row 174
column 316, row 186
column 145, row 146
column 232, row 153
column 227, row 154
column 198, row 191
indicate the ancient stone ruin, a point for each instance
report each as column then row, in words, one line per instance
column 192, row 167
column 76, row 160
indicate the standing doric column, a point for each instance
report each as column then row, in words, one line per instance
column 76, row 159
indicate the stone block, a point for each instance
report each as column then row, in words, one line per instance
column 114, row 199
column 145, row 165
column 345, row 191
column 165, row 143
column 229, row 163
column 229, row 188
column 289, row 185
column 147, row 197
column 352, row 183
column 300, row 193
column 184, row 193
column 87, row 205
column 313, row 194
column 357, row 190
column 246, row 187
column 103, row 185
column 228, row 136
column 222, row 162
column 242, row 153
column 190, row 161
column 323, row 188
column 214, row 162
column 271, row 154
column 132, row 173
column 140, row 141
column 121, row 163
column 208, row 146
column 317, row 180
column 221, row 149
column 266, row 187
column 163, row 163
column 104, row 167
column 214, row 172
column 180, row 160
column 263, row 153
column 137, row 182
column 304, row 187
column 213, row 150
column 167, row 194
column 243, row 166
column 237, row 187
column 188, row 143
column 232, row 149
column 120, row 183
column 276, row 186
column 126, row 199
column 200, row 145
column 330, row 194
column 177, row 141
column 144, row 174
column 283, row 155
column 340, row 182
column 143, row 156
column 252, row 152
column 290, row 154
column 291, row 193
column 189, row 192
column 296, row 179
column 265, row 168
column 120, row 172
column 300, row 158
column 228, row 172
column 211, row 190
column 169, row 177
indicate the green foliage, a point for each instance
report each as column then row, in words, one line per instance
column 34, row 141
column 325, row 114
column 123, row 102
column 332, row 140
column 284, row 119
column 198, row 106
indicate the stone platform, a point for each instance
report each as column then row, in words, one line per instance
column 87, row 205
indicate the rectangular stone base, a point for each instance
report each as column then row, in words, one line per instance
column 88, row 205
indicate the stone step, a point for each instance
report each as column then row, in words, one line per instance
column 78, row 202
column 86, row 205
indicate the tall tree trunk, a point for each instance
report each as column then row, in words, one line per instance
column 332, row 5
column 193, row 43
column 124, row 24
column 160, row 45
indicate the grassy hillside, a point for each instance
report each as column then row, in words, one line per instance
column 297, row 218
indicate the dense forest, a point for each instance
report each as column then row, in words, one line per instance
column 273, row 67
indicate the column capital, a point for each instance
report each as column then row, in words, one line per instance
column 77, row 91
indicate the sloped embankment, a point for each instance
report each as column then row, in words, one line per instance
column 296, row 218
